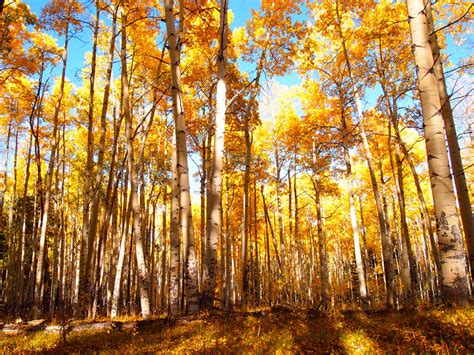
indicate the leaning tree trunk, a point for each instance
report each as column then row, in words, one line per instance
column 424, row 211
column 391, row 105
column 186, row 217
column 386, row 248
column 352, row 212
column 408, row 257
column 132, row 168
column 96, row 191
column 406, row 294
column 453, row 144
column 38, row 299
column 453, row 262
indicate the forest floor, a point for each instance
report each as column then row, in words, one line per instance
column 436, row 330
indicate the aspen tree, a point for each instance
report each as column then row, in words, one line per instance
column 132, row 168
column 463, row 194
column 453, row 263
column 186, row 218
column 214, row 219
column 38, row 299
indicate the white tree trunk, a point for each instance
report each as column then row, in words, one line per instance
column 453, row 262
column 214, row 219
column 186, row 217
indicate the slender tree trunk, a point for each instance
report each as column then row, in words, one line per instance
column 126, row 210
column 132, row 168
column 164, row 233
column 322, row 248
column 267, row 217
column 186, row 218
column 110, row 205
column 215, row 201
column 114, row 240
column 405, row 294
column 453, row 263
column 174, row 269
column 5, row 176
column 228, row 252
column 203, row 192
column 353, row 216
column 63, row 229
column 424, row 210
column 391, row 105
column 22, row 241
column 86, row 290
column 364, row 240
column 257, row 248
column 246, row 230
column 268, row 256
column 369, row 160
column 96, row 186
column 54, row 276
column 409, row 273
column 280, row 220
column 426, row 256
column 207, row 177
column 12, row 258
column 38, row 299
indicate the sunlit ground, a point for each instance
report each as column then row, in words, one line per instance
column 435, row 331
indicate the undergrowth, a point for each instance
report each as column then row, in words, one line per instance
column 441, row 331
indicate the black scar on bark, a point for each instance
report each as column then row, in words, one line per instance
column 456, row 234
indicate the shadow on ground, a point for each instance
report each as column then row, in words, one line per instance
column 350, row 332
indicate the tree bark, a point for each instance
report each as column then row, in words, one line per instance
column 322, row 247
column 409, row 272
column 174, row 269
column 353, row 216
column 86, row 290
column 453, row 263
column 126, row 210
column 186, row 217
column 132, row 168
column 424, row 211
column 97, row 185
column 22, row 240
column 215, row 201
column 462, row 190
column 369, row 159
column 38, row 299
column 5, row 173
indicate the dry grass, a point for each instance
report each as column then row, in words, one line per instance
column 352, row 332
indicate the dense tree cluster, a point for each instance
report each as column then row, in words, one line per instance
column 347, row 190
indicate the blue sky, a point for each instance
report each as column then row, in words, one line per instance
column 79, row 47
column 240, row 8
